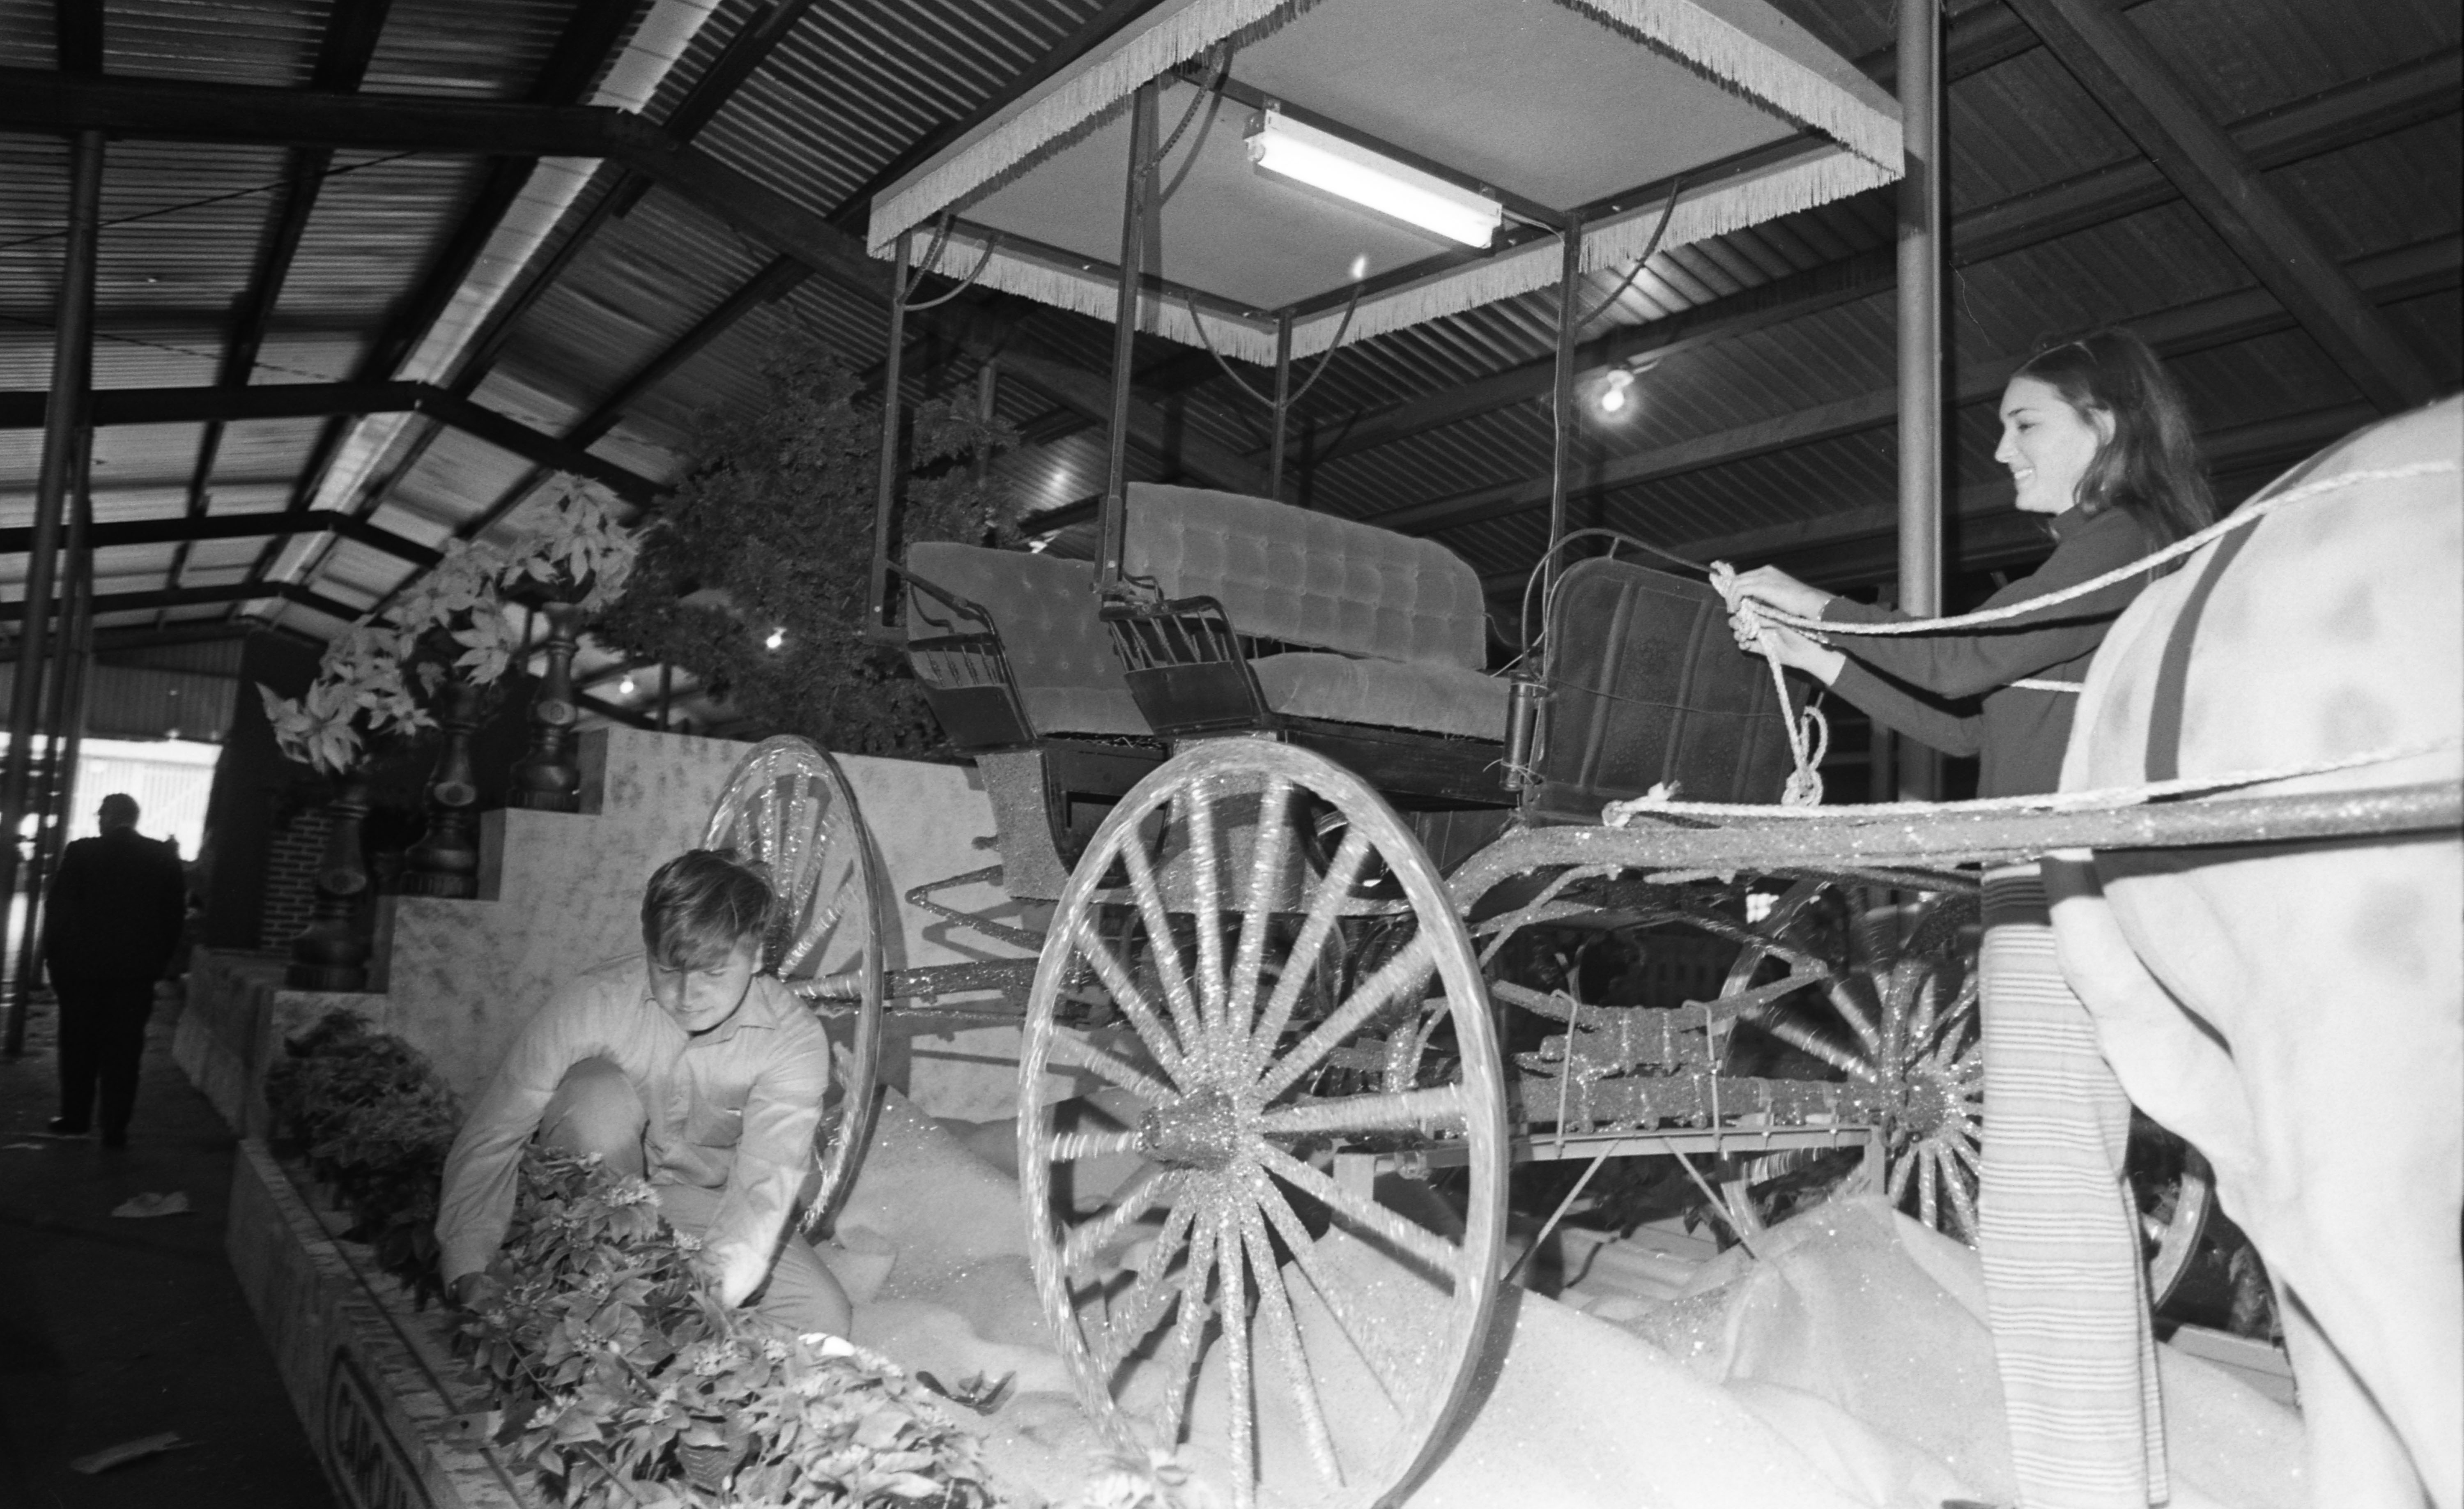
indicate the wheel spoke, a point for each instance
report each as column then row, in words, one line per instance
column 1206, row 882
column 1400, row 1232
column 1189, row 1327
column 1401, row 973
column 1929, row 1168
column 1844, row 1000
column 1921, row 1024
column 1236, row 1363
column 1341, row 875
column 1897, row 1188
column 1963, row 1197
column 1131, row 1001
column 1120, row 1076
column 1129, row 1317
column 1409, row 1110
column 1069, row 1148
column 1284, row 1335
column 1354, row 1326
column 1159, row 940
column 1267, row 862
column 1152, row 1185
column 1804, row 1039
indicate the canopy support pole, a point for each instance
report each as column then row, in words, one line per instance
column 63, row 418
column 1283, row 404
column 885, row 501
column 1921, row 355
column 1137, row 197
column 1570, row 317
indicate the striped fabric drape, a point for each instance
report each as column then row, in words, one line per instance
column 2064, row 1281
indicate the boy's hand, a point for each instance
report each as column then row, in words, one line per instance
column 476, row 1292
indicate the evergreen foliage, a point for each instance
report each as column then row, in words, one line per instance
column 771, row 534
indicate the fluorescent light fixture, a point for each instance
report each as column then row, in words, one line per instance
column 1284, row 147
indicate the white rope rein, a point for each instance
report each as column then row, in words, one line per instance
column 1804, row 786
column 2100, row 799
column 2246, row 515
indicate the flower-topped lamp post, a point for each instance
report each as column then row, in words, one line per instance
column 575, row 566
column 449, row 638
column 360, row 692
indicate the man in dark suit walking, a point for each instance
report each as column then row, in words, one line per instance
column 111, row 923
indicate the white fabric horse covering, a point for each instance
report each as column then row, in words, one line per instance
column 2297, row 1010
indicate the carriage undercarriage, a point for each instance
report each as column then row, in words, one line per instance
column 1316, row 1069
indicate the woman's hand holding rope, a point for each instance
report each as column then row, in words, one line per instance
column 1747, row 594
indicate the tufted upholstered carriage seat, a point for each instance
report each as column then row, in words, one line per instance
column 1060, row 657
column 1381, row 628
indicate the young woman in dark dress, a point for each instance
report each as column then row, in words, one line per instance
column 2098, row 440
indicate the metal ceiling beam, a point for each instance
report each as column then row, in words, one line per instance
column 590, row 33
column 2390, row 101
column 351, row 34
column 745, row 53
column 201, row 596
column 183, row 530
column 76, row 35
column 34, row 99
column 155, row 405
column 2112, row 60
column 2195, row 326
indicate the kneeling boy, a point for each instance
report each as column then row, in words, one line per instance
column 682, row 1064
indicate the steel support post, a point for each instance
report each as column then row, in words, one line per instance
column 1282, row 404
column 65, row 705
column 1920, row 338
column 885, row 502
column 1138, row 199
column 63, row 419
column 1561, row 458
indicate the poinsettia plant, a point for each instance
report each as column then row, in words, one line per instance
column 453, row 623
column 573, row 548
column 360, row 692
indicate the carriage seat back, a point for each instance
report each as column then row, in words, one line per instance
column 1343, row 622
column 1058, row 656
column 1308, row 579
column 1646, row 685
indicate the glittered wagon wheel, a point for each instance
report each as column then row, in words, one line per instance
column 1904, row 986
column 1296, row 989
column 1889, row 1001
column 788, row 807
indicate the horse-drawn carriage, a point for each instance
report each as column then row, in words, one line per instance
column 1322, row 885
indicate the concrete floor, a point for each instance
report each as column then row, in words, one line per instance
column 113, row 1328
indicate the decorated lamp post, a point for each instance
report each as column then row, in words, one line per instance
column 449, row 636
column 548, row 778
column 444, row 863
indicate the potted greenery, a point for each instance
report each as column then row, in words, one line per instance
column 755, row 570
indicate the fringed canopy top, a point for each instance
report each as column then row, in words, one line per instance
column 1602, row 108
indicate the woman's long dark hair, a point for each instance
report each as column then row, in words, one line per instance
column 2152, row 465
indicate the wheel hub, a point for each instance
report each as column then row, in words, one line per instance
column 1197, row 1131
column 1928, row 1104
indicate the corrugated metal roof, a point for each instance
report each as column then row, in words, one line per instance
column 855, row 84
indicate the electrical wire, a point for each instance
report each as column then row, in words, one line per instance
column 204, row 203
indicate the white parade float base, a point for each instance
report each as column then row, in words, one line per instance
column 1849, row 1367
